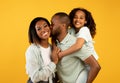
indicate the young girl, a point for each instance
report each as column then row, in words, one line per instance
column 84, row 28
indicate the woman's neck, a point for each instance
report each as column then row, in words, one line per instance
column 44, row 43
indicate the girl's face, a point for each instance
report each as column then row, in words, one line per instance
column 79, row 19
column 42, row 29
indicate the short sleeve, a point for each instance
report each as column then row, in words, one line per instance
column 84, row 33
column 83, row 53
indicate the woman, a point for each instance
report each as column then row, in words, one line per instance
column 39, row 66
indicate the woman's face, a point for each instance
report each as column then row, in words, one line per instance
column 42, row 29
column 79, row 19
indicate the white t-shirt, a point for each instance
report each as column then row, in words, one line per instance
column 85, row 34
column 46, row 52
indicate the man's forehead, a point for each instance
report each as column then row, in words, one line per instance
column 55, row 18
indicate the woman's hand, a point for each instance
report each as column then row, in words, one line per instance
column 55, row 52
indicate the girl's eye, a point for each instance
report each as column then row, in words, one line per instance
column 81, row 17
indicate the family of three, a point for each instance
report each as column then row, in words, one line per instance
column 71, row 57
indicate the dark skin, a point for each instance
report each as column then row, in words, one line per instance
column 91, row 61
column 94, row 68
column 54, row 56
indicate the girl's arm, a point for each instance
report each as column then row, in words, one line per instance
column 79, row 43
column 94, row 68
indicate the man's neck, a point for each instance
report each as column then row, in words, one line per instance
column 62, row 36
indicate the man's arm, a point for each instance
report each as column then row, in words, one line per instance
column 94, row 68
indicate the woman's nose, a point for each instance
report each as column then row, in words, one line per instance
column 42, row 29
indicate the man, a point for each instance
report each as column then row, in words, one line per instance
column 71, row 67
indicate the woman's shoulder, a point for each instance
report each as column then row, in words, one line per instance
column 32, row 51
column 32, row 47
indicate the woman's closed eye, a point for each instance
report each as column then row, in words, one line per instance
column 45, row 25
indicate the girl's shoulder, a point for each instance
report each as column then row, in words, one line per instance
column 84, row 28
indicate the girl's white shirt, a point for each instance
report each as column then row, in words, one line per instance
column 85, row 34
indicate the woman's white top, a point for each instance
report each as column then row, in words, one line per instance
column 38, row 64
column 46, row 52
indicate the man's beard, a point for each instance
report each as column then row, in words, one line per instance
column 55, row 34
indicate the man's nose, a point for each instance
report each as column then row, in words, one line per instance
column 50, row 26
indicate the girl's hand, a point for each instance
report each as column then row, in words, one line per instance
column 60, row 55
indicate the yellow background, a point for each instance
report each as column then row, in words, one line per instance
column 15, row 17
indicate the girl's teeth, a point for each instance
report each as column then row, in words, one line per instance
column 77, row 23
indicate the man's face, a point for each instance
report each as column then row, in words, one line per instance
column 55, row 26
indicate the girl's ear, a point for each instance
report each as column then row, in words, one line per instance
column 85, row 22
column 64, row 25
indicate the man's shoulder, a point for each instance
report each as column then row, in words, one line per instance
column 71, row 39
column 71, row 36
column 68, row 40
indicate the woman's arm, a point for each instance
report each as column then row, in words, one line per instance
column 79, row 43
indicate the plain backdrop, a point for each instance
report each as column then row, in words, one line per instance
column 16, row 15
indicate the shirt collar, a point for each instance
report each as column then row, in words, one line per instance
column 65, row 39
